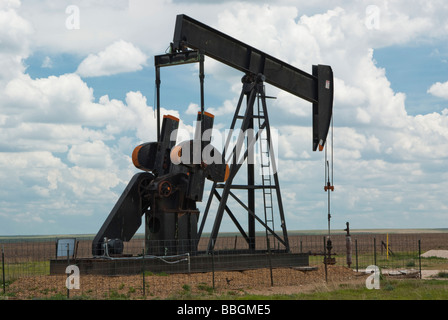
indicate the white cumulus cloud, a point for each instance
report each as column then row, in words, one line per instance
column 439, row 89
column 65, row 151
column 119, row 57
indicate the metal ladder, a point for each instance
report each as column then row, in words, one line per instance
column 265, row 166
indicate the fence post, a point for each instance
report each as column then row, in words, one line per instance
column 348, row 244
column 387, row 246
column 68, row 275
column 356, row 253
column 420, row 258
column 188, row 263
column 213, row 264
column 325, row 261
column 374, row 251
column 270, row 262
column 3, row 269
column 143, row 272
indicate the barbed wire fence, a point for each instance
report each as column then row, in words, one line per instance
column 55, row 268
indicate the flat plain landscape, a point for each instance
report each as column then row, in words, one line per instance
column 27, row 259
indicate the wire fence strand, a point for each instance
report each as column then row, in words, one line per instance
column 34, row 268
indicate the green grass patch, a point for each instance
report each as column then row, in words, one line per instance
column 442, row 274
column 408, row 260
column 32, row 268
column 406, row 289
column 389, row 290
column 157, row 274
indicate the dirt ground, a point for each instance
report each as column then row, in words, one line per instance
column 176, row 286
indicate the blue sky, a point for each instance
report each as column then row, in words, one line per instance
column 412, row 69
column 75, row 102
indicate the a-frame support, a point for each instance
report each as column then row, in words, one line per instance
column 253, row 89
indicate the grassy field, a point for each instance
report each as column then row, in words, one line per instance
column 29, row 256
column 403, row 289
column 389, row 290
column 230, row 234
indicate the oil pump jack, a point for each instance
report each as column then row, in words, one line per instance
column 172, row 182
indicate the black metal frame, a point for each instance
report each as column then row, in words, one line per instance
column 192, row 40
column 191, row 43
column 253, row 88
column 316, row 88
column 174, row 59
